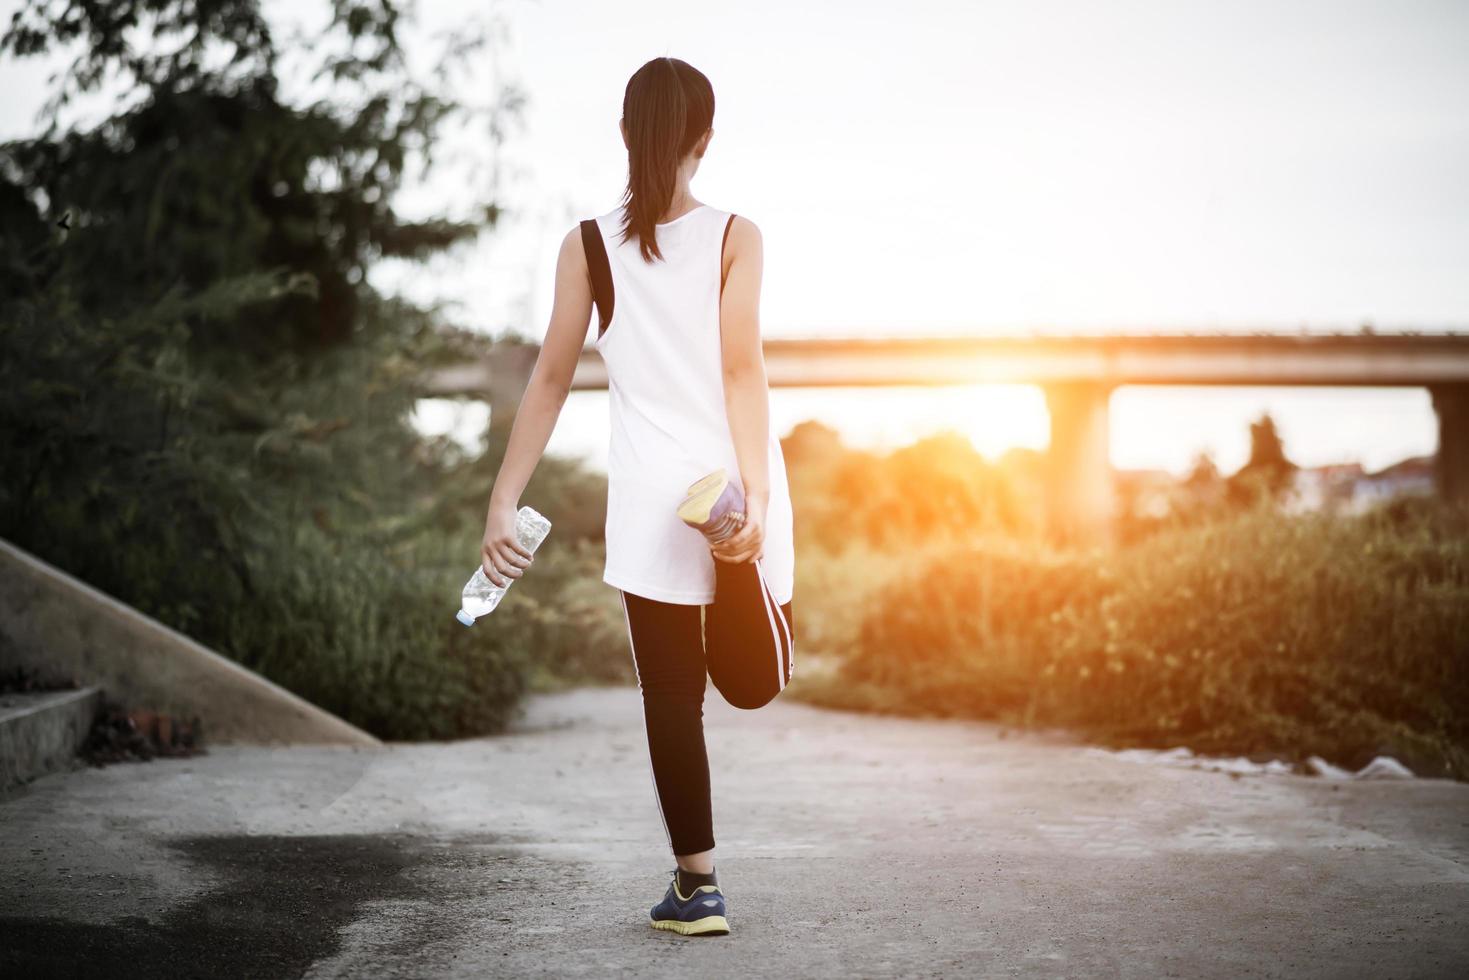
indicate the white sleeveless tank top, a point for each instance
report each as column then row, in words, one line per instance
column 669, row 424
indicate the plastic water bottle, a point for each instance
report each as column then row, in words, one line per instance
column 481, row 595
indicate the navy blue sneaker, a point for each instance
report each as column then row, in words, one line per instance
column 699, row 914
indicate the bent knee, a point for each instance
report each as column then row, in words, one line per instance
column 749, row 698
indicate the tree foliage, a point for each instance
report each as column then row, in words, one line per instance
column 1267, row 473
column 204, row 405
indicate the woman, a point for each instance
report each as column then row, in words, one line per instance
column 699, row 521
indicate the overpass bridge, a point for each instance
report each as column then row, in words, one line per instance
column 1077, row 374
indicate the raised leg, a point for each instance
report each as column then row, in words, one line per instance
column 749, row 638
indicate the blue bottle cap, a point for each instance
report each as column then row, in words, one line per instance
column 464, row 618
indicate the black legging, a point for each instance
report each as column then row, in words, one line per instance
column 745, row 645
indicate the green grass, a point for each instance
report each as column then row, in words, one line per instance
column 373, row 638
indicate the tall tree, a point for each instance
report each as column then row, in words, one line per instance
column 1268, row 471
column 204, row 405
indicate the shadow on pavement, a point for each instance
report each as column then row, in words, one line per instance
column 284, row 900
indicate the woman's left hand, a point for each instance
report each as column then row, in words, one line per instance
column 748, row 543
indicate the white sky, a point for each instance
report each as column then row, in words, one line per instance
column 951, row 166
column 932, row 167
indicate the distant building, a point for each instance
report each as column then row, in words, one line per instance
column 1348, row 488
column 1410, row 477
column 1330, row 487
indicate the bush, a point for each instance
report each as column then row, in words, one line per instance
column 372, row 638
column 937, row 487
column 1260, row 634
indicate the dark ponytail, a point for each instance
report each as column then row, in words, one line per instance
column 668, row 105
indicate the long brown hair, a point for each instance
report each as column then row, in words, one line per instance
column 667, row 106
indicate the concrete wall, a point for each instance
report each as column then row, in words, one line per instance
column 59, row 625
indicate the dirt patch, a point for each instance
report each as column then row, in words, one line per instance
column 119, row 735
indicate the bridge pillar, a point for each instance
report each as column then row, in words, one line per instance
column 1079, row 492
column 1451, row 467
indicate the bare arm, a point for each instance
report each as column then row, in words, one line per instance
column 540, row 406
column 746, row 389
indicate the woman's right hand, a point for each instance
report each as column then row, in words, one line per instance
column 502, row 556
column 748, row 543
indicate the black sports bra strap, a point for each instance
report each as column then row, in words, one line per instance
column 722, row 241
column 601, row 270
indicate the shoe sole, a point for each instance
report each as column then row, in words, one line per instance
column 702, row 495
column 710, row 925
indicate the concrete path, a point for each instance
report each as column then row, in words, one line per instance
column 851, row 846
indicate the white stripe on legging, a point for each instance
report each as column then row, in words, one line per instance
column 790, row 638
column 661, row 816
column 780, row 655
column 790, row 635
